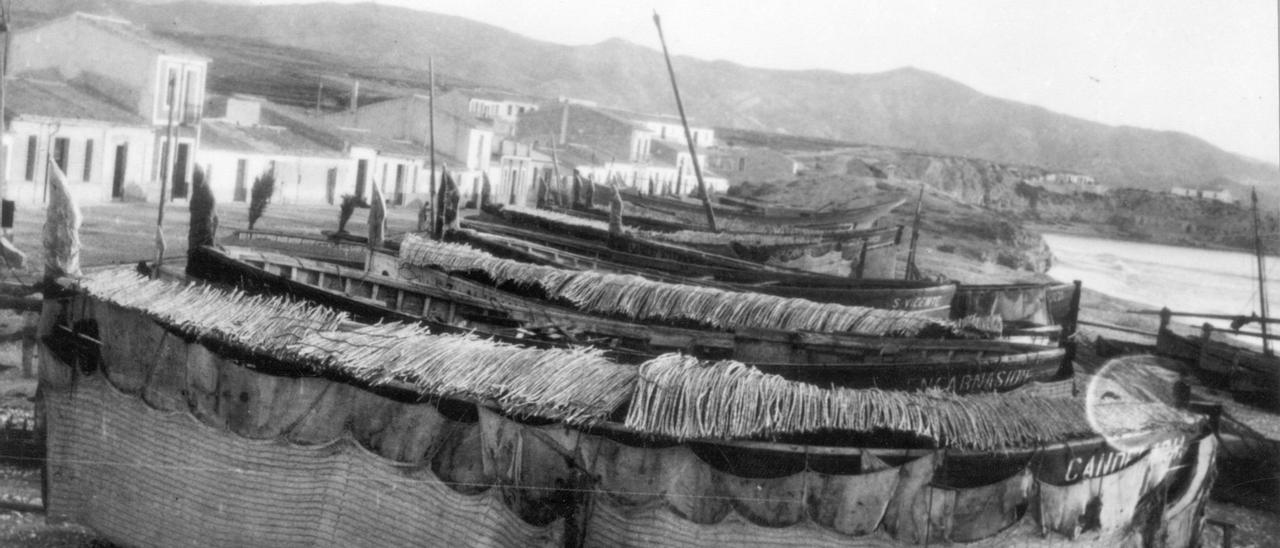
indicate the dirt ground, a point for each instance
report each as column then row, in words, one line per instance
column 124, row 233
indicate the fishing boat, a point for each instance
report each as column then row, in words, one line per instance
column 279, row 423
column 1020, row 304
column 848, row 349
column 691, row 210
column 857, row 254
column 926, row 297
column 1250, row 373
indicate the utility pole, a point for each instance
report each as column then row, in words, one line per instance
column 688, row 137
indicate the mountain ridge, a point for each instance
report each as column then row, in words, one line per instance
column 906, row 107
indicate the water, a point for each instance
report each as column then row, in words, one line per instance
column 1181, row 278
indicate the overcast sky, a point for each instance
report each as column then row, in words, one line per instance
column 1204, row 67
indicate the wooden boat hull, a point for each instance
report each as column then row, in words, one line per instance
column 157, row 440
column 860, row 254
column 1247, row 374
column 1039, row 304
column 931, row 298
column 844, row 360
column 691, row 211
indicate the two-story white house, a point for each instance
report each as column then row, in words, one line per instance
column 153, row 78
column 502, row 108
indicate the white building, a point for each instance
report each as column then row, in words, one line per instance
column 130, row 67
column 103, row 149
column 238, row 147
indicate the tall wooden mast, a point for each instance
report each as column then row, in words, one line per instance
column 688, row 137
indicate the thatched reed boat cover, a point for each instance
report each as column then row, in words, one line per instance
column 572, row 385
column 639, row 298
column 684, row 398
column 775, row 236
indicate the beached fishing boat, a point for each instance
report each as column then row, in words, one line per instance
column 279, row 423
column 1250, row 373
column 739, row 218
column 857, row 254
column 1019, row 304
column 539, row 247
column 1046, row 303
column 823, row 345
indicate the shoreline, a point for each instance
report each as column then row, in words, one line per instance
column 1090, row 232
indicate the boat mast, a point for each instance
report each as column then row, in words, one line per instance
column 913, row 272
column 688, row 137
column 431, row 142
column 1262, row 273
column 165, row 174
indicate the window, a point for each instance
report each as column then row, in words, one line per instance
column 170, row 86
column 742, row 163
column 88, row 160
column 31, row 158
column 191, row 97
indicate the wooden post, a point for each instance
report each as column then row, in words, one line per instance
column 688, row 137
column 29, row 331
column 1068, row 332
column 170, row 150
column 1262, row 274
column 555, row 169
column 862, row 260
column 913, row 272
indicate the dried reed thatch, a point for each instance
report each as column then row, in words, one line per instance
column 683, row 398
column 639, row 298
column 572, row 385
column 575, row 385
column 253, row 323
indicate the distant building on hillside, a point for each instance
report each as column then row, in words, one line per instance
column 741, row 164
column 502, row 108
column 129, row 67
column 1219, row 194
column 1067, row 183
column 608, row 144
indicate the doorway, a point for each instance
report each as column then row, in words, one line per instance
column 399, row 197
column 362, row 173
column 117, row 177
column 180, row 171
column 331, row 186
column 241, row 192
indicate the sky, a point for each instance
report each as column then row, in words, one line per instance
column 1204, row 67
